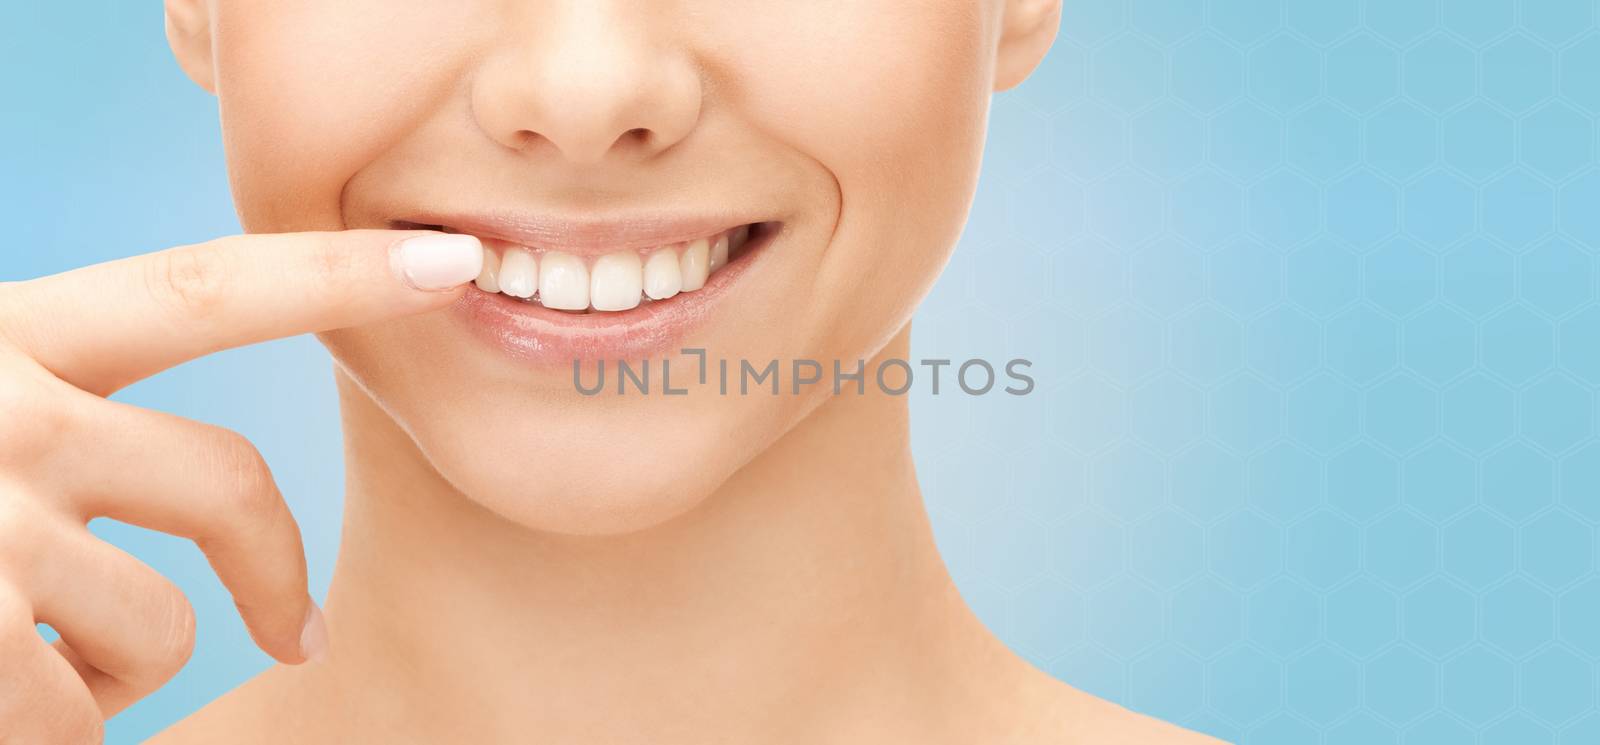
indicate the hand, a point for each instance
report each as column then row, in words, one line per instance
column 68, row 455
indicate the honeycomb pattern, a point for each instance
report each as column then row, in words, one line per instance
column 1311, row 290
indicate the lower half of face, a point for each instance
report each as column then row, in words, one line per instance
column 772, row 181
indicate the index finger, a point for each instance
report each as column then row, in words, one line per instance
column 105, row 326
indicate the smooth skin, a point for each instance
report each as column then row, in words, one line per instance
column 520, row 563
column 68, row 455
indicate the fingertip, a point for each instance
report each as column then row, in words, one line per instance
column 435, row 262
column 314, row 635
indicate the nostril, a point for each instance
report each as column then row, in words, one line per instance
column 526, row 138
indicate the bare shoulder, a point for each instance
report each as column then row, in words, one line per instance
column 1064, row 715
column 1105, row 723
column 252, row 713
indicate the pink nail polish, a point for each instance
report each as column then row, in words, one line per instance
column 314, row 636
column 439, row 261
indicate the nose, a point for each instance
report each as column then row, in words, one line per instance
column 590, row 82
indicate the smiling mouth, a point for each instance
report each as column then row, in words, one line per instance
column 591, row 283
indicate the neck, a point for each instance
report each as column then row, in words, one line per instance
column 806, row 593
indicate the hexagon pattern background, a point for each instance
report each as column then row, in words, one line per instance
column 1310, row 290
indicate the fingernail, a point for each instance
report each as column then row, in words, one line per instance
column 314, row 636
column 437, row 262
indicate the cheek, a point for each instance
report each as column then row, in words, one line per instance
column 875, row 91
column 310, row 93
column 891, row 98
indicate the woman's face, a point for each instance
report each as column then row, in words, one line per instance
column 848, row 132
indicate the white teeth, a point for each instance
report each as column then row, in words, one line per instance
column 695, row 265
column 719, row 252
column 519, row 273
column 488, row 277
column 616, row 281
column 563, row 283
column 662, row 276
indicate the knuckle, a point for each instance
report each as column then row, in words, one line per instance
column 14, row 529
column 172, row 634
column 32, row 427
column 248, row 487
column 33, row 419
column 330, row 263
column 16, row 398
column 16, row 623
column 190, row 280
column 10, row 309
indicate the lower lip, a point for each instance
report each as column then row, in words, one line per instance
column 533, row 334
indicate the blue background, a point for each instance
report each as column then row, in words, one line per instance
column 1310, row 287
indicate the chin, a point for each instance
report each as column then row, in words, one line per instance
column 603, row 481
column 531, row 450
column 625, row 501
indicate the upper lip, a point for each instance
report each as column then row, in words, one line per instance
column 588, row 235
